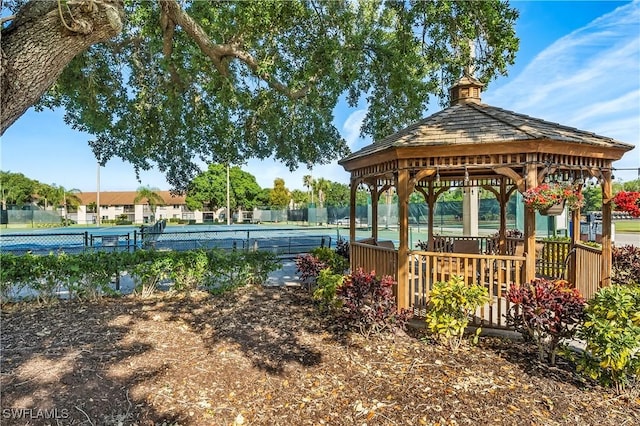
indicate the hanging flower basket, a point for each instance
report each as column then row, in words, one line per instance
column 554, row 209
column 549, row 198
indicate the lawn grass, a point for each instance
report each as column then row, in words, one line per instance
column 627, row 226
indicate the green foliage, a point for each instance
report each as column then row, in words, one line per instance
column 208, row 190
column 334, row 261
column 592, row 198
column 279, row 196
column 150, row 196
column 546, row 312
column 276, row 96
column 451, row 306
column 611, row 331
column 188, row 269
column 149, row 272
column 16, row 272
column 299, row 197
column 230, row 270
column 326, row 288
column 16, row 188
column 90, row 274
column 336, row 195
column 259, row 264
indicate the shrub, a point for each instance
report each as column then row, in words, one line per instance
column 612, row 335
column 149, row 272
column 451, row 306
column 368, row 304
column 15, row 274
column 625, row 265
column 188, row 269
column 259, row 264
column 308, row 267
column 326, row 289
column 546, row 312
column 337, row 264
column 227, row 270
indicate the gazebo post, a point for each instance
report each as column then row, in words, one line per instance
column 531, row 171
column 431, row 203
column 374, row 209
column 403, row 249
column 352, row 210
column 605, row 266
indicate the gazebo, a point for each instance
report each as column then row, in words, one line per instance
column 473, row 145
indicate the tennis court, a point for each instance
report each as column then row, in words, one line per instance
column 285, row 240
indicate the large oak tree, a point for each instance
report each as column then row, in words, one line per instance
column 171, row 82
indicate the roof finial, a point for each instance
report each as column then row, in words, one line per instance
column 468, row 88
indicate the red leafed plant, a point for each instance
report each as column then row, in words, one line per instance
column 546, row 312
column 368, row 303
column 628, row 201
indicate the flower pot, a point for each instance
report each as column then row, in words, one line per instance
column 553, row 210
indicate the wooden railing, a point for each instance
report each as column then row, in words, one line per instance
column 551, row 262
column 588, row 264
column 496, row 273
column 369, row 257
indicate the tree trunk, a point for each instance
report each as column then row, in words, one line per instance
column 39, row 44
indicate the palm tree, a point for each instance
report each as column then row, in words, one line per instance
column 152, row 198
column 66, row 198
column 321, row 186
column 307, row 181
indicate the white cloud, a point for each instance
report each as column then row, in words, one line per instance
column 351, row 127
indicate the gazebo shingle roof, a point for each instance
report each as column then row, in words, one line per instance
column 475, row 123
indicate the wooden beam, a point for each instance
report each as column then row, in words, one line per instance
column 513, row 175
column 530, row 222
column 424, row 173
column 607, row 196
column 374, row 211
column 352, row 211
column 403, row 249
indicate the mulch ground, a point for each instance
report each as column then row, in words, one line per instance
column 266, row 356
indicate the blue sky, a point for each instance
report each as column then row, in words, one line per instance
column 578, row 64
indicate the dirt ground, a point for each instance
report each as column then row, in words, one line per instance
column 265, row 356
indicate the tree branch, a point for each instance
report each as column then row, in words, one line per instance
column 168, row 30
column 218, row 52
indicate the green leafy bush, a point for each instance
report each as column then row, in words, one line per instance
column 337, row 263
column 612, row 334
column 327, row 286
column 15, row 274
column 148, row 273
column 89, row 274
column 309, row 265
column 546, row 312
column 368, row 304
column 259, row 265
column 451, row 305
column 188, row 269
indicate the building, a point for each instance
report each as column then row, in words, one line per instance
column 120, row 205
